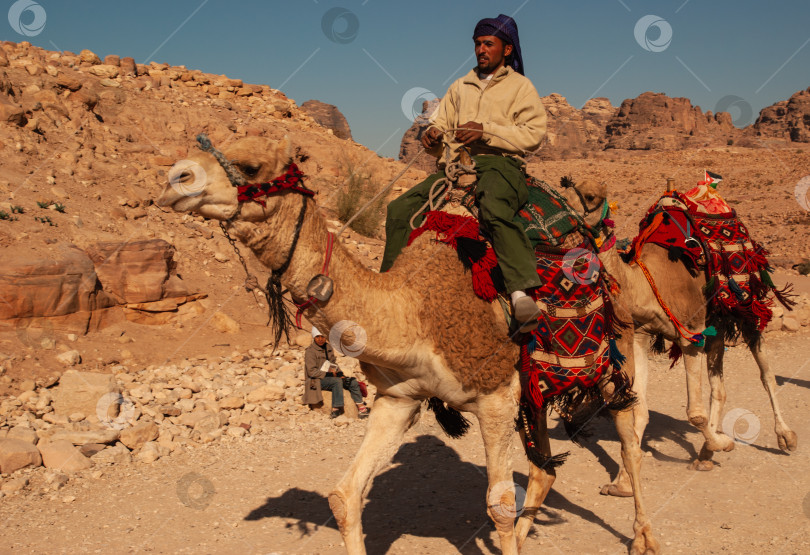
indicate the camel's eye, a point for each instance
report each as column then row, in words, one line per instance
column 589, row 197
column 248, row 170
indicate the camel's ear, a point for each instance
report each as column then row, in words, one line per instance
column 284, row 149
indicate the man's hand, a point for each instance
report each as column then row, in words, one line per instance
column 430, row 138
column 471, row 132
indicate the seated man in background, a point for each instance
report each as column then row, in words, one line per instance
column 322, row 372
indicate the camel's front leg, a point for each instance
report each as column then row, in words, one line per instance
column 784, row 435
column 540, row 482
column 496, row 414
column 390, row 419
column 620, row 486
column 644, row 542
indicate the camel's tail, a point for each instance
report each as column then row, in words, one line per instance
column 452, row 421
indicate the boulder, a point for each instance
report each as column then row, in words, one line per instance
column 61, row 293
column 16, row 454
column 128, row 67
column 69, row 358
column 14, row 485
column 224, row 323
column 139, row 434
column 63, row 456
column 135, row 271
column 150, row 452
column 23, row 433
column 69, row 81
column 82, row 392
column 266, row 393
column 327, row 115
column 105, row 71
column 89, row 437
column 113, row 455
column 89, row 57
column 12, row 113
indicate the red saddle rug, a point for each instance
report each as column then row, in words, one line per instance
column 573, row 347
column 736, row 267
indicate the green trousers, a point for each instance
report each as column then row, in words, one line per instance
column 500, row 192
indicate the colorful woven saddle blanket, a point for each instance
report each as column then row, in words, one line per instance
column 736, row 266
column 571, row 348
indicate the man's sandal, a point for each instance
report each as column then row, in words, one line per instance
column 337, row 411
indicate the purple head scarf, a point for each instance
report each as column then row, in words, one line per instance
column 505, row 28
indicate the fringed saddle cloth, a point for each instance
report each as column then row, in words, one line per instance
column 736, row 267
column 563, row 360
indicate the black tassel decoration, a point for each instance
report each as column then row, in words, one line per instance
column 452, row 421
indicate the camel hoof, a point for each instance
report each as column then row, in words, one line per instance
column 703, row 466
column 644, row 543
column 788, row 441
column 615, row 491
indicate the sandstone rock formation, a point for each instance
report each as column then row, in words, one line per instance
column 656, row 121
column 788, row 119
column 329, row 117
column 411, row 144
column 571, row 131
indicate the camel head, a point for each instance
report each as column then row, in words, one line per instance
column 586, row 197
column 200, row 184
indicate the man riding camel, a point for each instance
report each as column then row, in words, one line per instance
column 501, row 117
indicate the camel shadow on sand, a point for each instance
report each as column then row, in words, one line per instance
column 429, row 492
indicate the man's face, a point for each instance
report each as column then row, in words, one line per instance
column 491, row 53
column 320, row 340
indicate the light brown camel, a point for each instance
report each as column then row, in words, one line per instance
column 683, row 293
column 428, row 335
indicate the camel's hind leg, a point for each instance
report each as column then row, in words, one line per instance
column 620, row 486
column 644, row 542
column 540, row 482
column 785, row 436
column 387, row 425
column 496, row 414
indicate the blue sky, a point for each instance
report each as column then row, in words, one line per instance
column 369, row 57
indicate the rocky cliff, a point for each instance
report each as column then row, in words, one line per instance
column 329, row 117
column 788, row 119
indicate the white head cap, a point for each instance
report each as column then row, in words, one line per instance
column 315, row 332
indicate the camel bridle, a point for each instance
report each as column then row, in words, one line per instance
column 320, row 287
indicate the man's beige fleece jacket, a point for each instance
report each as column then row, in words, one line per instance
column 507, row 105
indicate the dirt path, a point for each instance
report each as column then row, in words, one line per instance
column 267, row 494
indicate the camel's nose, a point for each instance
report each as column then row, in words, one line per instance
column 187, row 178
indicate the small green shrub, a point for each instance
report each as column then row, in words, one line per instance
column 358, row 189
column 6, row 216
column 17, row 210
column 44, row 204
column 45, row 220
column 59, row 208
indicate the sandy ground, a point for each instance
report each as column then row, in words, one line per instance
column 268, row 495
